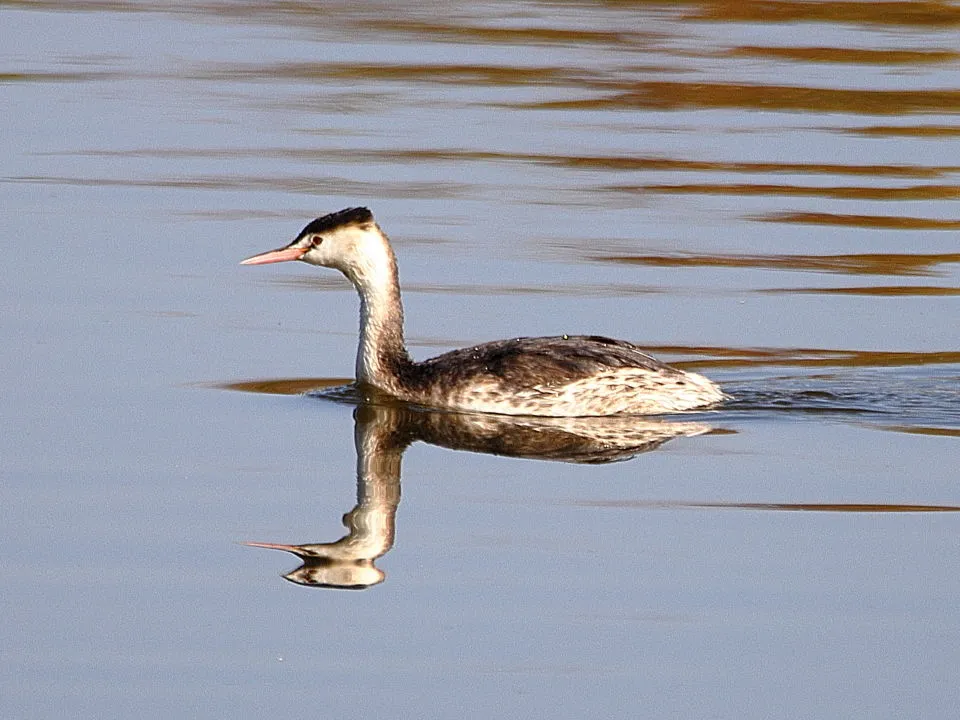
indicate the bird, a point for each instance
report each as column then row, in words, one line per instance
column 559, row 376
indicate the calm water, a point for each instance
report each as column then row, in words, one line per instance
column 764, row 191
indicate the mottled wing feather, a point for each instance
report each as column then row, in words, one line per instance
column 543, row 361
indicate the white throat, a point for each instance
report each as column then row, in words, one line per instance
column 374, row 273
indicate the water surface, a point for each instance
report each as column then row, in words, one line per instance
column 762, row 191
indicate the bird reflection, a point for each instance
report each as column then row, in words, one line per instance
column 384, row 430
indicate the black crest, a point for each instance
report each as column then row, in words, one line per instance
column 347, row 216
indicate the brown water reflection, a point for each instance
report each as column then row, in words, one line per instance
column 913, row 192
column 650, row 164
column 58, row 77
column 605, row 290
column 877, row 290
column 919, row 430
column 467, row 75
column 282, row 386
column 923, row 13
column 864, row 221
column 805, row 507
column 523, row 36
column 920, row 131
column 306, row 185
column 906, row 13
column 664, row 95
column 806, row 357
column 848, row 264
column 846, row 55
column 612, row 163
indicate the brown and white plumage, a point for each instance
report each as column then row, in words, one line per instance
column 564, row 376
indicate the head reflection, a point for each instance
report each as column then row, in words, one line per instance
column 321, row 569
column 383, row 431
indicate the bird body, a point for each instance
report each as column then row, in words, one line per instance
column 563, row 376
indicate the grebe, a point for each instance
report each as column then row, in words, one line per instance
column 565, row 376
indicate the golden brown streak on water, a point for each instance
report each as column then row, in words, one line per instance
column 341, row 186
column 847, row 55
column 281, row 386
column 722, row 357
column 59, row 77
column 856, row 264
column 646, row 164
column 913, row 13
column 599, row 291
column 301, row 185
column 525, row 36
column 930, row 13
column 463, row 74
column 879, row 290
column 918, row 430
column 679, row 95
column 91, row 5
column 866, row 221
column 597, row 162
column 915, row 192
column 903, row 131
column 806, row 507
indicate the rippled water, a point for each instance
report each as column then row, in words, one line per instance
column 764, row 191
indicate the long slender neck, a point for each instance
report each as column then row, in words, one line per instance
column 382, row 354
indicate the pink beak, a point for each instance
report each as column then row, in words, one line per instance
column 273, row 546
column 275, row 256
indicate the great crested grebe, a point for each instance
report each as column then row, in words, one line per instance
column 565, row 376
